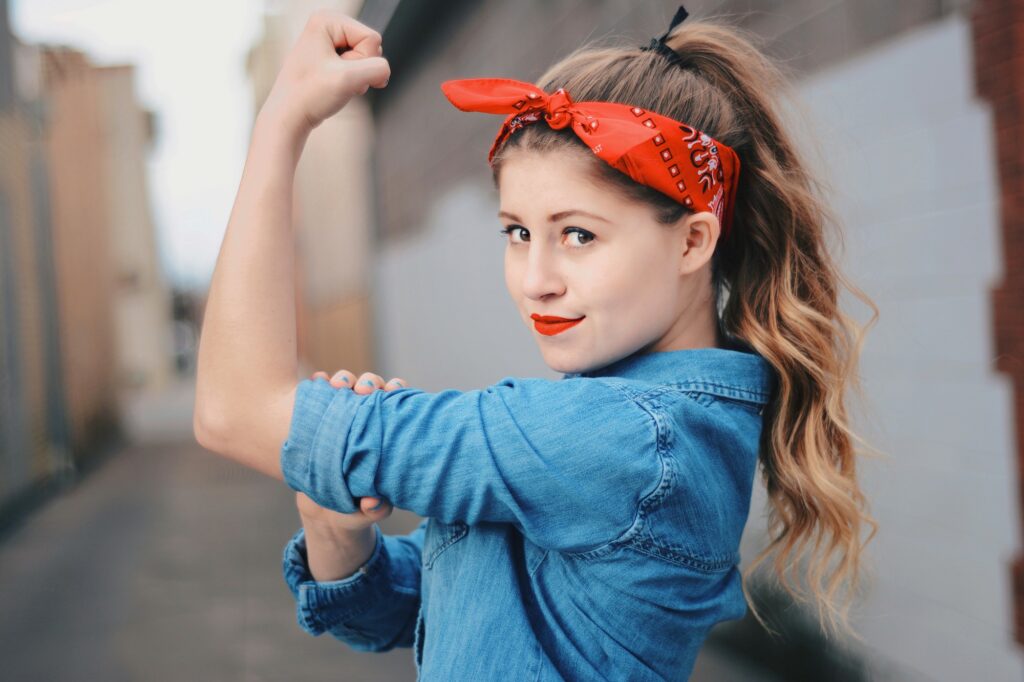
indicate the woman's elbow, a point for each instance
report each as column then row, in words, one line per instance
column 207, row 428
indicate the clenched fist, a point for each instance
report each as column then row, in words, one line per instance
column 334, row 59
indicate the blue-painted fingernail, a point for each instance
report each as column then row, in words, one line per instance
column 345, row 379
column 377, row 506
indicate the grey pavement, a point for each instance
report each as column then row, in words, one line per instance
column 164, row 563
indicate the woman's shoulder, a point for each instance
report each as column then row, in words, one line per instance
column 600, row 397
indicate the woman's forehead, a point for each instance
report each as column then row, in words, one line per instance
column 548, row 184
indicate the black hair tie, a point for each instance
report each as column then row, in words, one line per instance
column 658, row 44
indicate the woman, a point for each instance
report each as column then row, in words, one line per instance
column 665, row 245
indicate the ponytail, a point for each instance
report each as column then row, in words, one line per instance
column 783, row 288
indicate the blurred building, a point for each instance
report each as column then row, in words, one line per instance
column 69, row 91
column 332, row 204
column 87, row 315
column 116, row 307
column 34, row 435
column 142, row 296
column 35, row 444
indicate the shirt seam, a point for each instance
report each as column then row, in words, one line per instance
column 645, row 500
column 726, row 390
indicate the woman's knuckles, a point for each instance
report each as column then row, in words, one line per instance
column 342, row 379
column 366, row 383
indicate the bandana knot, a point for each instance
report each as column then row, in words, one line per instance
column 670, row 156
column 557, row 107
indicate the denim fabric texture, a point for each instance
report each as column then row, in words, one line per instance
column 585, row 528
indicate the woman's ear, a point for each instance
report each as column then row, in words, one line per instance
column 700, row 233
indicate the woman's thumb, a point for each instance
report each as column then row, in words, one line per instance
column 373, row 71
column 372, row 505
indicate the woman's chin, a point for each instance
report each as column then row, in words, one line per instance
column 562, row 362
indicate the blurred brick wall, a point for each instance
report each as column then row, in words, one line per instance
column 999, row 70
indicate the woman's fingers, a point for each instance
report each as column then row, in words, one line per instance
column 368, row 383
column 347, row 32
column 360, row 47
column 367, row 504
column 343, row 379
column 335, row 58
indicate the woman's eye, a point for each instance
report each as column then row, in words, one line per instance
column 584, row 236
column 587, row 237
column 512, row 229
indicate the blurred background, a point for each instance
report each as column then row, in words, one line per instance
column 129, row 553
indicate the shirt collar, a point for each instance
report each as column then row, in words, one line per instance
column 738, row 370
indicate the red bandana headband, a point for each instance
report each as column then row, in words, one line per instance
column 654, row 150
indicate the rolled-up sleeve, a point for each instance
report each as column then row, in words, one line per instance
column 375, row 608
column 567, row 461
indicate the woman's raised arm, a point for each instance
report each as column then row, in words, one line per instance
column 247, row 359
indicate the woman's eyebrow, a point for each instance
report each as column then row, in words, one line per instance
column 554, row 217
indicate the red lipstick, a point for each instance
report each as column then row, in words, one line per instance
column 549, row 325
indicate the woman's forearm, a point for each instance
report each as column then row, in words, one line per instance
column 247, row 357
column 333, row 554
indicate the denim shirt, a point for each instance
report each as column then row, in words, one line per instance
column 575, row 529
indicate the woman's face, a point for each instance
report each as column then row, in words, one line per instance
column 577, row 251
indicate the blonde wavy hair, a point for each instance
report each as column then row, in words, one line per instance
column 775, row 283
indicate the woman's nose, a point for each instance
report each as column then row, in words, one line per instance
column 541, row 277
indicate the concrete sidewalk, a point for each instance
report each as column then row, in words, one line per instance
column 164, row 563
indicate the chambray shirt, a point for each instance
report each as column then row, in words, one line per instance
column 584, row 528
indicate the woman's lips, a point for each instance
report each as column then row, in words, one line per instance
column 550, row 325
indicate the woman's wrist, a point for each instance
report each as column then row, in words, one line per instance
column 334, row 553
column 276, row 126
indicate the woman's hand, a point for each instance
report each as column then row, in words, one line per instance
column 326, row 520
column 334, row 59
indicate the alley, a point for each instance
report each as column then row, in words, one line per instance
column 164, row 563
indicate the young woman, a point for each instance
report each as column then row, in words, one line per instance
column 666, row 246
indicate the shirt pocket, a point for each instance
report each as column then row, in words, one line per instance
column 440, row 536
